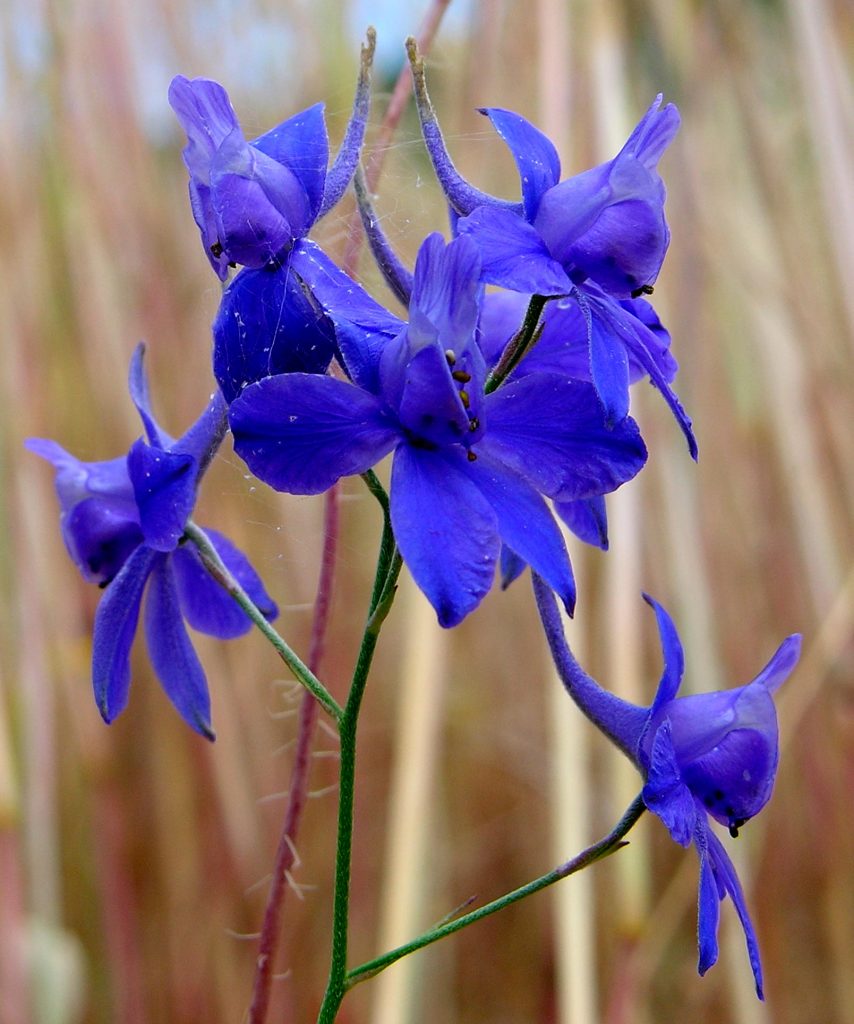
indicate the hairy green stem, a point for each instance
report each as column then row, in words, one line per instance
column 603, row 848
column 219, row 571
column 521, row 342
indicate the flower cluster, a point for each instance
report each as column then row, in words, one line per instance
column 500, row 408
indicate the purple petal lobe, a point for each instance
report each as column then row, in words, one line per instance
column 664, row 793
column 164, row 484
column 551, row 430
column 513, row 254
column 115, row 627
column 204, row 603
column 100, row 536
column 206, row 115
column 266, row 325
column 301, row 432
column 674, row 657
column 609, row 369
column 203, row 437
column 302, row 145
column 172, row 655
column 535, row 156
column 138, row 387
column 526, row 525
column 781, row 665
column 445, row 528
column 260, row 206
column 445, row 292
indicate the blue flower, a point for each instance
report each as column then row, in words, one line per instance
column 469, row 469
column 705, row 754
column 122, row 522
column 252, row 200
column 599, row 237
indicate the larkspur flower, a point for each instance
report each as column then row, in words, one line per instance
column 469, row 468
column 252, row 200
column 704, row 754
column 598, row 237
column 123, row 521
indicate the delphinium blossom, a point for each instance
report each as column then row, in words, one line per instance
column 708, row 754
column 598, row 237
column 469, row 468
column 123, row 524
column 255, row 203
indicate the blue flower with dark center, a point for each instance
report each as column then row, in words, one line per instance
column 704, row 754
column 469, row 468
column 123, row 522
column 252, row 200
column 599, row 237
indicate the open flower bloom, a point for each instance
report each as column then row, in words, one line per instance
column 469, row 469
column 123, row 522
column 252, row 200
column 704, row 754
column 599, row 237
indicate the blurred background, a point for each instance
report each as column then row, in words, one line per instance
column 135, row 860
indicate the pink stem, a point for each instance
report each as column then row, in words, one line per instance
column 298, row 791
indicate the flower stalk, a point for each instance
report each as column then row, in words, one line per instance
column 302, row 673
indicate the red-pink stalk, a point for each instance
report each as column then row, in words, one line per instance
column 298, row 790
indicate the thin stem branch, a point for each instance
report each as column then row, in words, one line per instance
column 603, row 848
column 219, row 571
column 298, row 789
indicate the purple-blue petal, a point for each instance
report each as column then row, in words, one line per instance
column 708, row 900
column 203, row 437
column 551, row 430
column 206, row 605
column 626, row 330
column 587, row 518
column 513, row 254
column 302, row 145
column 535, row 156
column 362, row 326
column 526, row 525
column 115, row 626
column 511, row 566
column 266, row 325
column 609, row 366
column 164, row 484
column 301, row 432
column 727, row 879
column 445, row 528
column 172, row 656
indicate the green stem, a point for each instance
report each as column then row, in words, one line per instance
column 219, row 571
column 521, row 342
column 389, row 565
column 603, row 848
